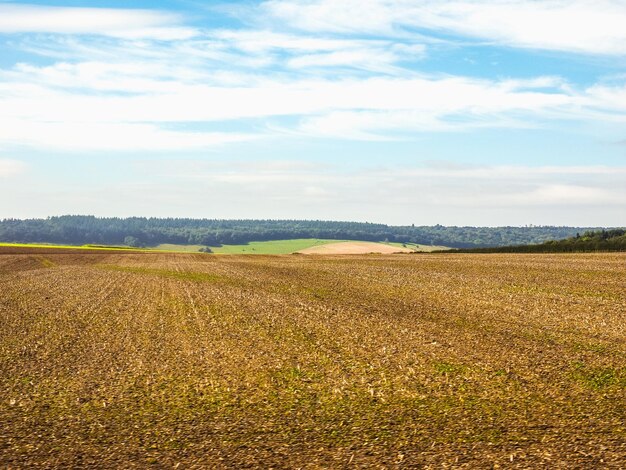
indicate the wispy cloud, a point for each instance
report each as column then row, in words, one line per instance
column 135, row 102
column 73, row 136
column 48, row 110
column 581, row 26
column 118, row 79
column 121, row 23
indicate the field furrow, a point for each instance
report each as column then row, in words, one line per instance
column 464, row 361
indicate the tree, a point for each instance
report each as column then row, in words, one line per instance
column 132, row 241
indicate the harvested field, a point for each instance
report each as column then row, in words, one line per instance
column 354, row 248
column 181, row 360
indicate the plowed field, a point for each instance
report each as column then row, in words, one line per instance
column 354, row 248
column 177, row 360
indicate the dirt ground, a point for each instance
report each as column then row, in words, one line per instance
column 354, row 248
column 149, row 360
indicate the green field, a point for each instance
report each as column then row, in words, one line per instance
column 274, row 247
column 281, row 247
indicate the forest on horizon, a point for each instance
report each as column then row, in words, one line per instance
column 142, row 232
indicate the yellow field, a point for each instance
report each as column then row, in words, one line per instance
column 154, row 359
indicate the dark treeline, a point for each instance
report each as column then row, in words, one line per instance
column 599, row 240
column 141, row 231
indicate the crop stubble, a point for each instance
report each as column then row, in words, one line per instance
column 111, row 359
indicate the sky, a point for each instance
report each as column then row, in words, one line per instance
column 452, row 112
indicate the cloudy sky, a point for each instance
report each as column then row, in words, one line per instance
column 468, row 112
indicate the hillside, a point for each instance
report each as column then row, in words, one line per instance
column 141, row 231
column 354, row 248
column 600, row 240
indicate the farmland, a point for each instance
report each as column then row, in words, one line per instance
column 272, row 247
column 117, row 359
column 305, row 245
column 355, row 248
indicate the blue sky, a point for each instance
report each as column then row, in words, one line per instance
column 467, row 112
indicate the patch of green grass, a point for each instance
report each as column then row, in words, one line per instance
column 592, row 347
column 598, row 377
column 449, row 368
column 272, row 247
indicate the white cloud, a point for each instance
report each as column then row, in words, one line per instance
column 232, row 49
column 121, row 23
column 177, row 101
column 258, row 41
column 399, row 124
column 310, row 51
column 608, row 97
column 120, row 137
column 565, row 194
column 583, row 26
column 121, row 91
column 9, row 167
column 338, row 17
column 369, row 59
column 48, row 104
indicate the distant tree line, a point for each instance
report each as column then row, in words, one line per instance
column 590, row 241
column 141, row 231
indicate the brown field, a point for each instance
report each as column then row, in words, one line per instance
column 354, row 248
column 197, row 361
